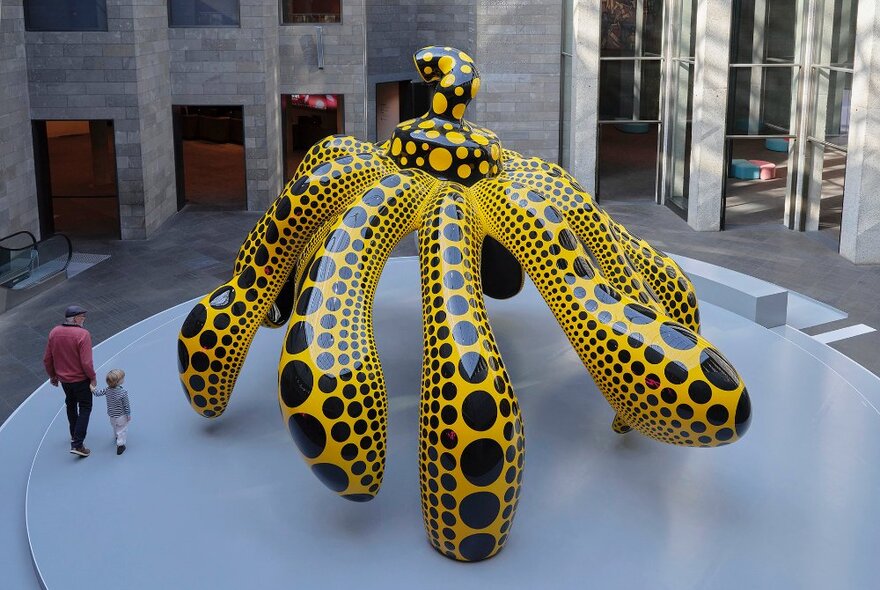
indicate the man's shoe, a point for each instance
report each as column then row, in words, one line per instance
column 120, row 449
column 81, row 451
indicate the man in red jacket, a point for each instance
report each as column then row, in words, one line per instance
column 68, row 360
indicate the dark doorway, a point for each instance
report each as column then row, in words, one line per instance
column 627, row 161
column 399, row 101
column 307, row 119
column 75, row 167
column 209, row 156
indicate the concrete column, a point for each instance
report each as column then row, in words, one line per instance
column 712, row 58
column 18, row 197
column 860, row 226
column 587, row 27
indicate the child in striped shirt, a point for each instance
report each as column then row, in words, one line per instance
column 118, row 407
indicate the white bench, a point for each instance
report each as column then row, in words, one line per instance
column 764, row 303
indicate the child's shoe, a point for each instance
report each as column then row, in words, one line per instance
column 120, row 449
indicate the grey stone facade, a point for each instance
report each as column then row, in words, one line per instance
column 518, row 51
column 18, row 201
column 343, row 72
column 237, row 66
column 399, row 28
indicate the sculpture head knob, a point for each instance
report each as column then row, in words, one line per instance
column 441, row 142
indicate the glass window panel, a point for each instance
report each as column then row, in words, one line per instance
column 624, row 30
column 627, row 161
column 761, row 101
column 833, row 93
column 622, row 97
column 203, row 13
column 680, row 145
column 764, row 31
column 749, row 198
column 835, row 32
column 65, row 15
column 310, row 11
column 565, row 114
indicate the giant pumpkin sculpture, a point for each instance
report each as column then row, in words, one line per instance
column 482, row 215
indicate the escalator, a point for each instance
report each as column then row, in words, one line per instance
column 28, row 265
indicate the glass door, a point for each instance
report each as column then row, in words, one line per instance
column 765, row 74
column 826, row 116
column 630, row 66
column 678, row 109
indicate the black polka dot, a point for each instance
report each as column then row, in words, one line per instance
column 222, row 297
column 194, row 322
column 309, row 301
column 639, row 314
column 452, row 255
column 299, row 338
column 676, row 372
column 322, row 269
column 182, row 357
column 477, row 547
column 282, row 205
column 717, row 370
column 247, row 277
column 296, row 383
column 333, row 407
column 457, row 305
column 684, row 411
column 678, row 337
column 331, row 476
column 717, row 415
column 654, row 354
column 743, row 417
column 700, row 392
column 479, row 411
column 374, row 197
column 337, row 241
column 308, row 434
column 464, row 333
column 200, row 361
column 481, row 461
column 200, row 401
column 567, row 239
column 452, row 232
column 479, row 510
column 355, row 217
column 473, row 367
column 606, row 294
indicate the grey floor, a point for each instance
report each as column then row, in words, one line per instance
column 194, row 251
column 792, row 505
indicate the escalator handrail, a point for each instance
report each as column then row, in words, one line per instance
column 35, row 248
column 18, row 233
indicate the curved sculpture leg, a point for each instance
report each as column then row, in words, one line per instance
column 471, row 443
column 331, row 388
column 662, row 379
column 502, row 275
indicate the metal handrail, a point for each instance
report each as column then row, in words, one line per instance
column 29, row 274
column 20, row 233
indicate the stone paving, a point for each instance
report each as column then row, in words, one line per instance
column 194, row 251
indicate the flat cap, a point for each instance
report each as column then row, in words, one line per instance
column 73, row 310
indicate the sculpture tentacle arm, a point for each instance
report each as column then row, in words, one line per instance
column 331, row 387
column 661, row 378
column 471, row 443
column 216, row 335
column 631, row 264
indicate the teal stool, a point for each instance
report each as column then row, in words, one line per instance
column 776, row 144
column 744, row 170
column 637, row 128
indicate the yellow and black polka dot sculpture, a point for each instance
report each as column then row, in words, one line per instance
column 316, row 256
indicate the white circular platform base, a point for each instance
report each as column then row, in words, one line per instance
column 230, row 504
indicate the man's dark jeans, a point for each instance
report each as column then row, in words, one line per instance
column 78, row 398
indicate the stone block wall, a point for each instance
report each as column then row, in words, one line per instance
column 237, row 66
column 518, row 52
column 343, row 72
column 18, row 197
